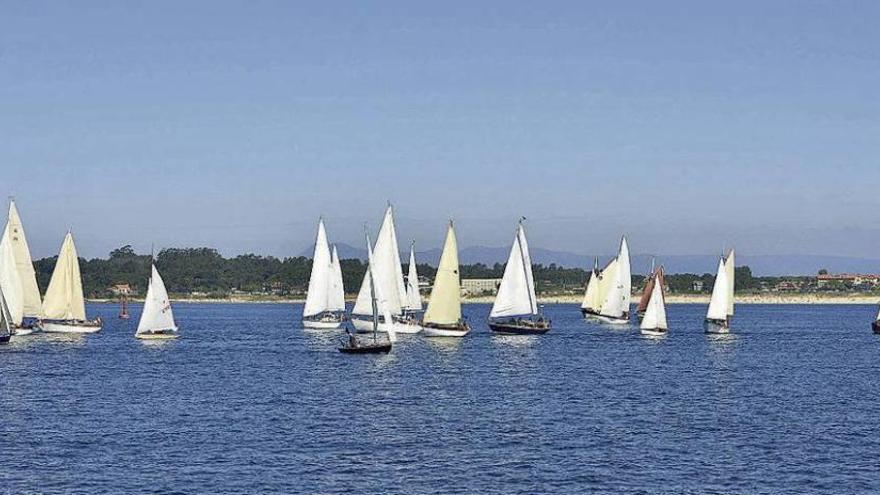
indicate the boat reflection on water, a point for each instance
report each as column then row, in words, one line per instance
column 519, row 341
column 444, row 344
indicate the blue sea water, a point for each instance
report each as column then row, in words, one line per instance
column 246, row 401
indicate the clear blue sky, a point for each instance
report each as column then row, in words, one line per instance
column 686, row 125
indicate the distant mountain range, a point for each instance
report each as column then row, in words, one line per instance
column 761, row 265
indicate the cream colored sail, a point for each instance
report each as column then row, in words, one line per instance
column 157, row 314
column 64, row 297
column 590, row 294
column 625, row 274
column 317, row 298
column 607, row 279
column 10, row 281
column 413, row 298
column 24, row 264
column 516, row 294
column 730, row 267
column 720, row 292
column 444, row 307
column 655, row 314
column 337, row 288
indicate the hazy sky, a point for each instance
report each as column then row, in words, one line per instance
column 686, row 125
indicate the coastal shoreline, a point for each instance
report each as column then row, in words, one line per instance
column 824, row 299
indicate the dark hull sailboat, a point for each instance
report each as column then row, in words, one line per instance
column 4, row 338
column 520, row 326
column 876, row 327
column 369, row 348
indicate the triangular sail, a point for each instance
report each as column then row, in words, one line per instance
column 444, row 307
column 413, row 298
column 607, row 279
column 625, row 273
column 590, row 300
column 10, row 281
column 378, row 303
column 157, row 314
column 24, row 264
column 516, row 294
column 5, row 323
column 386, row 271
column 337, row 289
column 317, row 298
column 646, row 293
column 655, row 312
column 64, row 297
column 720, row 291
column 617, row 298
column 730, row 268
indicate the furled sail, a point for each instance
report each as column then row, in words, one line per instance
column 10, row 281
column 444, row 307
column 413, row 298
column 337, row 289
column 64, row 297
column 655, row 312
column 157, row 314
column 24, row 264
column 720, row 292
column 318, row 296
column 516, row 294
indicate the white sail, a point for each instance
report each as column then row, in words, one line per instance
column 589, row 301
column 730, row 267
column 381, row 302
column 386, row 271
column 318, row 296
column 617, row 297
column 444, row 307
column 720, row 292
column 337, row 289
column 10, row 281
column 516, row 294
column 24, row 264
column 878, row 316
column 5, row 323
column 64, row 297
column 655, row 314
column 413, row 298
column 157, row 314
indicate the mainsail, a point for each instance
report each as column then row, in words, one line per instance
column 318, row 296
column 591, row 295
column 655, row 311
column 444, row 307
column 386, row 270
column 617, row 297
column 378, row 301
column 157, row 314
column 730, row 267
column 337, row 289
column 516, row 294
column 719, row 304
column 64, row 297
column 10, row 281
column 413, row 298
column 30, row 293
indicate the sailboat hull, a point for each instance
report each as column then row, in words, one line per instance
column 611, row 320
column 445, row 331
column 876, row 326
column 716, row 326
column 367, row 349
column 5, row 338
column 22, row 331
column 321, row 325
column 156, row 336
column 366, row 326
column 653, row 332
column 518, row 326
column 71, row 326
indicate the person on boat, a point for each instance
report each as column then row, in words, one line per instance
column 352, row 340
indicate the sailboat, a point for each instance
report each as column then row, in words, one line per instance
column 386, row 273
column 646, row 292
column 322, row 309
column 5, row 325
column 654, row 319
column 615, row 289
column 379, row 305
column 515, row 310
column 12, row 288
column 64, row 308
column 25, row 291
column 720, row 312
column 591, row 304
column 413, row 305
column 157, row 319
column 443, row 316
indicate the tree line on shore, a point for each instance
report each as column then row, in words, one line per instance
column 205, row 271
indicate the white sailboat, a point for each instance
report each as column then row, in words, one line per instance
column 11, row 285
column 591, row 303
column 337, row 287
column 443, row 316
column 321, row 309
column 157, row 319
column 379, row 305
column 720, row 312
column 388, row 273
column 5, row 325
column 615, row 289
column 64, row 308
column 413, row 298
column 515, row 310
column 654, row 320
column 26, row 289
